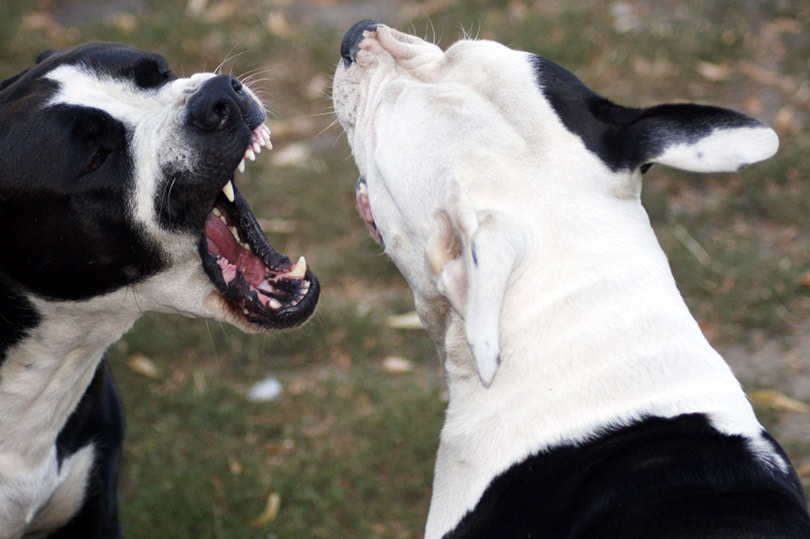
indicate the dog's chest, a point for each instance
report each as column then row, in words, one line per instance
column 41, row 496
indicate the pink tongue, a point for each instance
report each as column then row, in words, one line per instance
column 221, row 243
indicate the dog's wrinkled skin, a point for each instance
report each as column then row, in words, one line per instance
column 508, row 195
column 115, row 199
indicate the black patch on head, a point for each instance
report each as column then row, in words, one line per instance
column 66, row 185
column 658, row 478
column 591, row 117
column 627, row 138
column 146, row 69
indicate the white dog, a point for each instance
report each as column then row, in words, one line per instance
column 584, row 400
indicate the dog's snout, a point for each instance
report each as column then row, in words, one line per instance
column 352, row 39
column 218, row 103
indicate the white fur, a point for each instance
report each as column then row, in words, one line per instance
column 725, row 150
column 44, row 377
column 572, row 291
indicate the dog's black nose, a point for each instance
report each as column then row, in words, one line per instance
column 220, row 102
column 352, row 39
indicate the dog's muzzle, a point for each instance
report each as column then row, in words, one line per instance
column 260, row 285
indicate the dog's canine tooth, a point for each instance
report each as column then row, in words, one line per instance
column 273, row 303
column 228, row 189
column 299, row 270
column 241, row 166
column 264, row 137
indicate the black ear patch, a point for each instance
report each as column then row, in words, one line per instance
column 627, row 138
column 588, row 115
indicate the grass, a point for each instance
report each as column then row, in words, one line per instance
column 349, row 445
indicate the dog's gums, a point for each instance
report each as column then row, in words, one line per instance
column 259, row 283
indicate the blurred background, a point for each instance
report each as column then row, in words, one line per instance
column 341, row 443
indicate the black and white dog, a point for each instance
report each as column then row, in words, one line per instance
column 116, row 198
column 584, row 400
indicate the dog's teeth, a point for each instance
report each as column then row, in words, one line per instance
column 264, row 134
column 250, row 155
column 241, row 166
column 274, row 303
column 299, row 270
column 257, row 147
column 228, row 191
column 216, row 212
column 267, row 288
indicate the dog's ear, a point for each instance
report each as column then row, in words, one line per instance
column 696, row 138
column 472, row 255
column 9, row 81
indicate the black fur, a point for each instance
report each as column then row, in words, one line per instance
column 658, row 478
column 627, row 138
column 17, row 318
column 63, row 146
column 97, row 417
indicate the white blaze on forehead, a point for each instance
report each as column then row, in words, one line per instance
column 153, row 118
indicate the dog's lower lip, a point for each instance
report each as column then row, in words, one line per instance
column 364, row 209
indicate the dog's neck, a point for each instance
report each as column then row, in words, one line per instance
column 591, row 333
column 43, row 376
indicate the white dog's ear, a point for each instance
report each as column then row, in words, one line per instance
column 472, row 255
column 692, row 137
column 696, row 138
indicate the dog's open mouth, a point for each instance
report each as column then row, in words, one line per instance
column 260, row 284
column 364, row 208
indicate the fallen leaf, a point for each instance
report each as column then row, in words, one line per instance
column 397, row 365
column 143, row 365
column 714, row 72
column 270, row 512
column 404, row 321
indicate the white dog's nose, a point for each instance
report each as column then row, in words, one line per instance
column 352, row 38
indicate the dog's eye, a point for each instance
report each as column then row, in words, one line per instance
column 95, row 163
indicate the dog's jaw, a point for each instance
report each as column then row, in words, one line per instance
column 168, row 158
